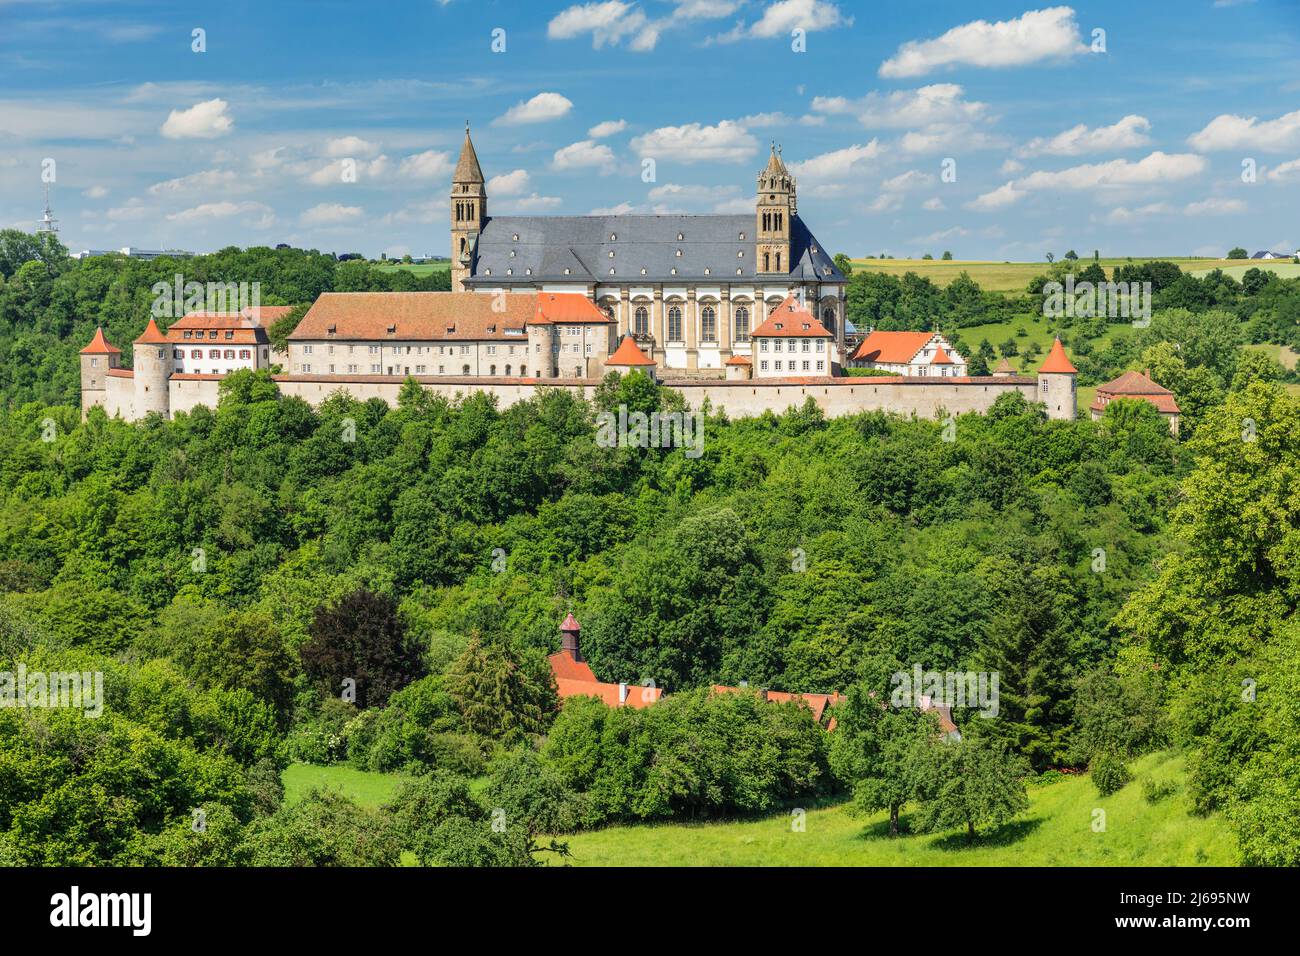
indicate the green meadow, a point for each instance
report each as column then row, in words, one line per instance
column 1016, row 276
column 1057, row 830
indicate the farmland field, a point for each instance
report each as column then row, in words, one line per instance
column 1013, row 276
column 417, row 268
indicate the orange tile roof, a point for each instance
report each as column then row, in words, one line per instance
column 561, row 308
column 565, row 667
column 456, row 316
column 629, row 354
column 99, row 345
column 1057, row 361
column 790, row 320
column 637, row 696
column 940, row 357
column 266, row 314
column 817, row 703
column 121, row 373
column 246, row 336
column 1136, row 385
column 151, row 335
column 739, row 360
column 892, row 348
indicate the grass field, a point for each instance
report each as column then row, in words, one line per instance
column 1056, row 831
column 1012, row 276
column 418, row 268
column 1284, row 268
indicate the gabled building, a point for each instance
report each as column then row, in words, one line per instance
column 923, row 354
column 792, row 343
column 574, row 677
column 1139, row 386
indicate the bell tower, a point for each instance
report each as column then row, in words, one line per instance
column 776, row 209
column 468, row 213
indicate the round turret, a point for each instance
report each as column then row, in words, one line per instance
column 153, row 370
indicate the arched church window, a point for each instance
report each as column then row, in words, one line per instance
column 675, row 324
column 742, row 324
column 642, row 321
column 828, row 319
column 708, row 324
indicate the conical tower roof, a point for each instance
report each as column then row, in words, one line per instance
column 775, row 165
column 151, row 335
column 100, row 345
column 1057, row 362
column 467, row 167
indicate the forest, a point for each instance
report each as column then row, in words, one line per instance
column 268, row 582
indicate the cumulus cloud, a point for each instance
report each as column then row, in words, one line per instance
column 206, row 181
column 837, row 164
column 906, row 109
column 330, row 214
column 342, row 170
column 1158, row 167
column 534, row 202
column 1129, row 132
column 350, row 146
column 95, row 192
column 1050, row 34
column 1122, row 215
column 584, row 154
column 508, row 184
column 431, row 164
column 808, row 15
column 933, row 204
column 224, row 210
column 1215, row 206
column 1285, row 171
column 540, row 109
column 607, row 128
column 608, row 23
column 1228, row 131
column 727, row 142
column 206, row 120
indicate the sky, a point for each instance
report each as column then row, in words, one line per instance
column 994, row 130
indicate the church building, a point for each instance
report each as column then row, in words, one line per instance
column 690, row 290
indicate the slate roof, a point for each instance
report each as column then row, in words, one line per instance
column 547, row 245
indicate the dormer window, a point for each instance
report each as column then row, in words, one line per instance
column 515, row 237
column 510, row 272
column 487, row 272
column 740, row 254
column 512, row 253
column 611, row 253
column 708, row 272
column 567, row 270
column 611, row 270
column 643, row 270
column 528, row 272
column 392, row 330
column 739, row 271
column 742, row 237
column 613, row 238
column 674, row 270
column 679, row 252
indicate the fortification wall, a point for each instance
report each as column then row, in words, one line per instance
column 119, row 396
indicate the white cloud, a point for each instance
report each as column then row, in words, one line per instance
column 763, row 120
column 268, row 158
column 837, row 164
column 1049, row 34
column 886, row 202
column 431, row 164
column 584, row 154
column 534, row 202
column 224, row 210
column 330, row 214
column 95, row 192
column 1128, row 133
column 1241, row 132
column 933, row 204
column 607, row 22
column 1158, row 167
column 333, row 173
column 131, row 212
column 1010, row 167
column 1284, row 171
column 728, row 142
column 903, row 182
column 944, row 136
column 350, row 146
column 508, row 184
column 427, row 211
column 1121, row 214
column 206, row 120
column 906, row 109
column 738, row 205
column 540, row 109
column 207, row 180
column 622, row 209
column 607, row 128
column 808, row 15
column 1215, row 207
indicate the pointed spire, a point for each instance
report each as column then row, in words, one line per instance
column 151, row 335
column 100, row 345
column 628, row 354
column 467, row 168
column 775, row 165
column 1057, row 362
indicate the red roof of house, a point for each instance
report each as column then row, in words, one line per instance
column 570, row 623
column 628, row 353
column 790, row 320
column 940, row 357
column 739, row 360
column 566, row 307
column 99, row 345
column 564, row 667
column 1057, row 360
column 151, row 335
column 1136, row 385
column 892, row 348
column 817, row 703
column 636, row 695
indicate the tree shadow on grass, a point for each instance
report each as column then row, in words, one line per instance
column 1005, row 835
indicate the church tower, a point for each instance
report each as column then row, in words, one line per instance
column 776, row 210
column 468, row 213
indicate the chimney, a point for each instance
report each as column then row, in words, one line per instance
column 622, row 693
column 569, row 637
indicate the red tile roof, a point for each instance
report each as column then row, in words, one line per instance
column 151, row 335
column 418, row 316
column 628, row 354
column 940, row 357
column 790, row 320
column 817, row 703
column 1057, row 361
column 560, row 308
column 636, row 695
column 99, row 345
column 1136, row 385
column 739, row 360
column 564, row 667
column 891, row 348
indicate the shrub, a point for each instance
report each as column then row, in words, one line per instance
column 1153, row 791
column 1109, row 774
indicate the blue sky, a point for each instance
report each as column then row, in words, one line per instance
column 335, row 125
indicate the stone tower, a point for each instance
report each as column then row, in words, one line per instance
column 96, row 359
column 1056, row 381
column 776, row 210
column 152, row 364
column 468, row 213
